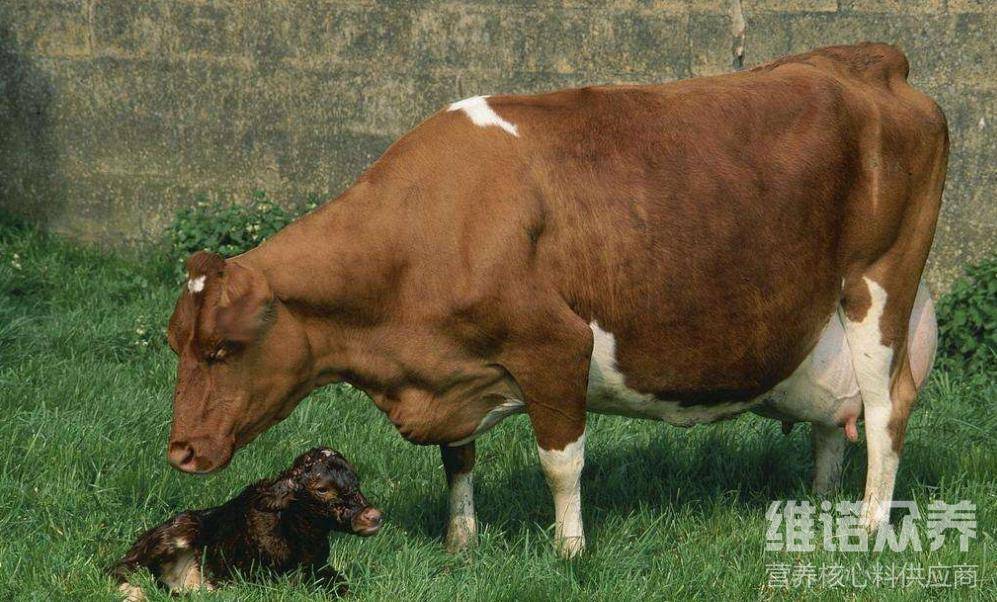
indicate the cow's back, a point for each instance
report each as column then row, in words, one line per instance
column 704, row 223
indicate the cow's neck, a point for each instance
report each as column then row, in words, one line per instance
column 336, row 271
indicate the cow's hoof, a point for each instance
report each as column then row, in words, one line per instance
column 875, row 517
column 462, row 535
column 570, row 547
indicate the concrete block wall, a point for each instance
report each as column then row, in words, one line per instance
column 113, row 113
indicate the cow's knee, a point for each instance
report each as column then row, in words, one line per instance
column 462, row 526
column 829, row 455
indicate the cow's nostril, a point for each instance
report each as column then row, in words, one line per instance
column 181, row 455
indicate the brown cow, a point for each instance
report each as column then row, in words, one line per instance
column 682, row 252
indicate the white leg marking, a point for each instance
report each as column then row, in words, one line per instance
column 131, row 593
column 872, row 371
column 483, row 115
column 829, row 454
column 563, row 469
column 463, row 528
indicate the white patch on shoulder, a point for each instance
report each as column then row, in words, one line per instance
column 482, row 115
column 609, row 394
column 196, row 285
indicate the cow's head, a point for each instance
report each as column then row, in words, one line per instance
column 244, row 362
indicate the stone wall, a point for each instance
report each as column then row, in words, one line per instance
column 113, row 113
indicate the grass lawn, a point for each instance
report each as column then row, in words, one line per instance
column 85, row 386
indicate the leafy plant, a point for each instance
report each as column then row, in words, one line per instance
column 967, row 320
column 228, row 229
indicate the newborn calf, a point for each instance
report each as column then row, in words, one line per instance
column 274, row 526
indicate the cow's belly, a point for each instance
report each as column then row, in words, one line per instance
column 822, row 389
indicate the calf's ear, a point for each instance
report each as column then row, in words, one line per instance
column 277, row 496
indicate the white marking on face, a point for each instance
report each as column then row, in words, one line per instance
column 326, row 452
column 563, row 470
column 609, row 394
column 463, row 524
column 482, row 115
column 180, row 543
column 871, row 360
column 196, row 285
column 493, row 417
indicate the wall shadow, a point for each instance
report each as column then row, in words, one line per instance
column 31, row 185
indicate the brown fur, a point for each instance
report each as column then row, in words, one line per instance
column 712, row 225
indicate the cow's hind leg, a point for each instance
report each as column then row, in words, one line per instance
column 462, row 528
column 877, row 320
column 829, row 456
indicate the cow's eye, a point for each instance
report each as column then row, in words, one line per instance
column 218, row 354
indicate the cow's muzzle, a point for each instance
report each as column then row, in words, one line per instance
column 199, row 455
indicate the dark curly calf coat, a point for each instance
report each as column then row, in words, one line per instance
column 274, row 526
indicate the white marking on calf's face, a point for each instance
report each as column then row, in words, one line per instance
column 196, row 285
column 483, row 115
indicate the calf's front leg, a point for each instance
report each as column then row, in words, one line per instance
column 462, row 528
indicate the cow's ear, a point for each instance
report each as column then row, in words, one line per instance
column 277, row 496
column 244, row 304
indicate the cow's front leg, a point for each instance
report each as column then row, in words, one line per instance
column 562, row 464
column 462, row 528
column 550, row 363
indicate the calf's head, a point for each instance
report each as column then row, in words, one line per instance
column 244, row 362
column 324, row 486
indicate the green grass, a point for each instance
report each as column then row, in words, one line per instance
column 670, row 513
